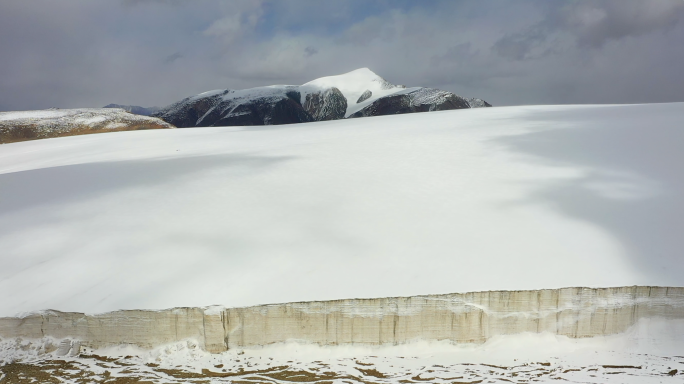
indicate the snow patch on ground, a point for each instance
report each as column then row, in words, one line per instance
column 41, row 114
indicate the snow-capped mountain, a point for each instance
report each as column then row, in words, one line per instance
column 358, row 93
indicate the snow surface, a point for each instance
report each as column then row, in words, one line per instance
column 39, row 114
column 650, row 352
column 451, row 201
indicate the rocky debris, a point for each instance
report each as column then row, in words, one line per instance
column 477, row 103
column 364, row 96
column 414, row 100
column 134, row 109
column 31, row 125
column 326, row 105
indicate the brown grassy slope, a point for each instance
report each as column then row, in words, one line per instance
column 74, row 122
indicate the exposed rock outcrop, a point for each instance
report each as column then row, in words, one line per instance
column 31, row 125
column 478, row 103
column 365, row 96
column 326, row 105
column 413, row 100
column 461, row 318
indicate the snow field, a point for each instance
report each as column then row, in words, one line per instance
column 453, row 201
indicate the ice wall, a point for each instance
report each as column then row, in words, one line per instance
column 462, row 318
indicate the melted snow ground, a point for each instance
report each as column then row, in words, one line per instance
column 453, row 201
column 651, row 352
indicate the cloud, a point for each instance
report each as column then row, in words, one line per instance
column 521, row 45
column 591, row 24
column 458, row 53
column 75, row 53
column 310, row 51
column 239, row 21
column 598, row 22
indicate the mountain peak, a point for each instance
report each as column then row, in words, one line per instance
column 356, row 78
column 361, row 71
column 354, row 84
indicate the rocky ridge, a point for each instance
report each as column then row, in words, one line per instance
column 256, row 106
column 413, row 100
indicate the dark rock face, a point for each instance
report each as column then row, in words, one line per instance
column 227, row 108
column 137, row 110
column 420, row 100
column 364, row 96
column 327, row 105
column 187, row 112
column 261, row 111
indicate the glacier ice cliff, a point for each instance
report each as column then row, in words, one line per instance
column 460, row 318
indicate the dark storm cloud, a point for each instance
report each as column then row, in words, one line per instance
column 310, row 51
column 171, row 58
column 595, row 23
column 518, row 46
column 80, row 53
column 592, row 24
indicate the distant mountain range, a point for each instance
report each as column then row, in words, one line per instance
column 31, row 125
column 359, row 93
column 135, row 109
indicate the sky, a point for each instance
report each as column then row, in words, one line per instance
column 83, row 53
